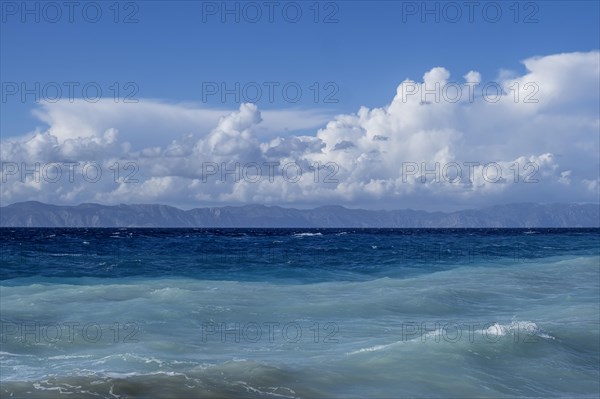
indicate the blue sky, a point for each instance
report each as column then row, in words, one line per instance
column 176, row 49
column 170, row 52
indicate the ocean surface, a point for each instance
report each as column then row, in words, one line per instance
column 267, row 313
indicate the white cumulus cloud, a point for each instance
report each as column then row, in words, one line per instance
column 438, row 143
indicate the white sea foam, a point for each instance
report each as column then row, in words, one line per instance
column 515, row 327
column 269, row 391
column 299, row 235
column 375, row 348
column 14, row 354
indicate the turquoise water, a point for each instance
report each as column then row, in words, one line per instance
column 151, row 313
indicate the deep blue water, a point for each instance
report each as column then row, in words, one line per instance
column 300, row 313
column 297, row 255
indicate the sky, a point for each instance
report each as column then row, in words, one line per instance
column 378, row 104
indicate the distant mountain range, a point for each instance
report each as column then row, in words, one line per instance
column 37, row 214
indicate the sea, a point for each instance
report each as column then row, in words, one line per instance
column 299, row 313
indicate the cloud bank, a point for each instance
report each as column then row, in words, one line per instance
column 441, row 143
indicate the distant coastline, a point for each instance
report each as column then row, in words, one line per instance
column 518, row 215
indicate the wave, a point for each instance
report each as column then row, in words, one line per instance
column 453, row 333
